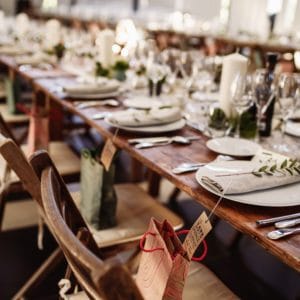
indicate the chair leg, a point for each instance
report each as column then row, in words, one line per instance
column 40, row 274
column 2, row 207
column 153, row 183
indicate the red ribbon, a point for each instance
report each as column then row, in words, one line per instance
column 185, row 231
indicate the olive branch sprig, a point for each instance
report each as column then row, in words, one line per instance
column 287, row 167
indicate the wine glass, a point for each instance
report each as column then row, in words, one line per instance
column 287, row 99
column 241, row 97
column 264, row 89
column 156, row 71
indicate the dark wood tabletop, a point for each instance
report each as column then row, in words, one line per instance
column 162, row 159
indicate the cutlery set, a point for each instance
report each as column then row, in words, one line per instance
column 161, row 141
column 283, row 226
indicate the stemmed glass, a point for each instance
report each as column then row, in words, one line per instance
column 287, row 100
column 241, row 97
column 264, row 92
column 156, row 71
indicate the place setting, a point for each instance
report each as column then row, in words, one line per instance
column 156, row 120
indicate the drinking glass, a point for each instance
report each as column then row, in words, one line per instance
column 241, row 97
column 264, row 89
column 156, row 71
column 287, row 100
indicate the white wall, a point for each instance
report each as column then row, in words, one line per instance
column 249, row 16
column 8, row 6
column 203, row 9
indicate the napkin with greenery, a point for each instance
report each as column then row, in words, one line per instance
column 155, row 116
column 235, row 177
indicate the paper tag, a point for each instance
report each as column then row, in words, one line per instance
column 197, row 234
column 108, row 153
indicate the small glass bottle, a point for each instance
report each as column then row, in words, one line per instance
column 269, row 97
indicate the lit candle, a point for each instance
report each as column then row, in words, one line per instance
column 105, row 42
column 233, row 64
column 52, row 33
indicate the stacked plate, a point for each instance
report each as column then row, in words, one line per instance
column 99, row 90
column 149, row 121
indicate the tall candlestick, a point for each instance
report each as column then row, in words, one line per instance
column 233, row 64
column 105, row 42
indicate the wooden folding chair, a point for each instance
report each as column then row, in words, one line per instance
column 132, row 202
column 66, row 160
column 102, row 279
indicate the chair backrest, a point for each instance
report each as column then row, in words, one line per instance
column 98, row 278
column 5, row 130
column 17, row 161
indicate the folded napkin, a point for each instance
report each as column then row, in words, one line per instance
column 91, row 88
column 236, row 177
column 34, row 59
column 12, row 50
column 155, row 116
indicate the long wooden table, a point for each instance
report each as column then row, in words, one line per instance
column 162, row 159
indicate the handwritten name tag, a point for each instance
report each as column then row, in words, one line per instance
column 197, row 234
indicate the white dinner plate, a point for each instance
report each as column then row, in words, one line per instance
column 93, row 96
column 282, row 196
column 293, row 128
column 209, row 97
column 233, row 146
column 142, row 103
column 152, row 129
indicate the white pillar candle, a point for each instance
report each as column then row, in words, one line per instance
column 105, row 42
column 22, row 25
column 233, row 64
column 52, row 33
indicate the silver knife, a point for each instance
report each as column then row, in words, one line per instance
column 158, row 139
column 277, row 219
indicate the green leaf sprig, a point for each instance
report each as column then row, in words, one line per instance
column 287, row 167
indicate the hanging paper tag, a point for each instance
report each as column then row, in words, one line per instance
column 197, row 233
column 108, row 153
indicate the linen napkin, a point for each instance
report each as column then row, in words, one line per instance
column 91, row 88
column 13, row 50
column 155, row 116
column 34, row 59
column 236, row 177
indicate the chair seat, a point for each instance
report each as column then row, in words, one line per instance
column 201, row 284
column 65, row 159
column 134, row 211
column 12, row 118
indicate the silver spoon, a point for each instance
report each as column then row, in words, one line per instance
column 280, row 233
